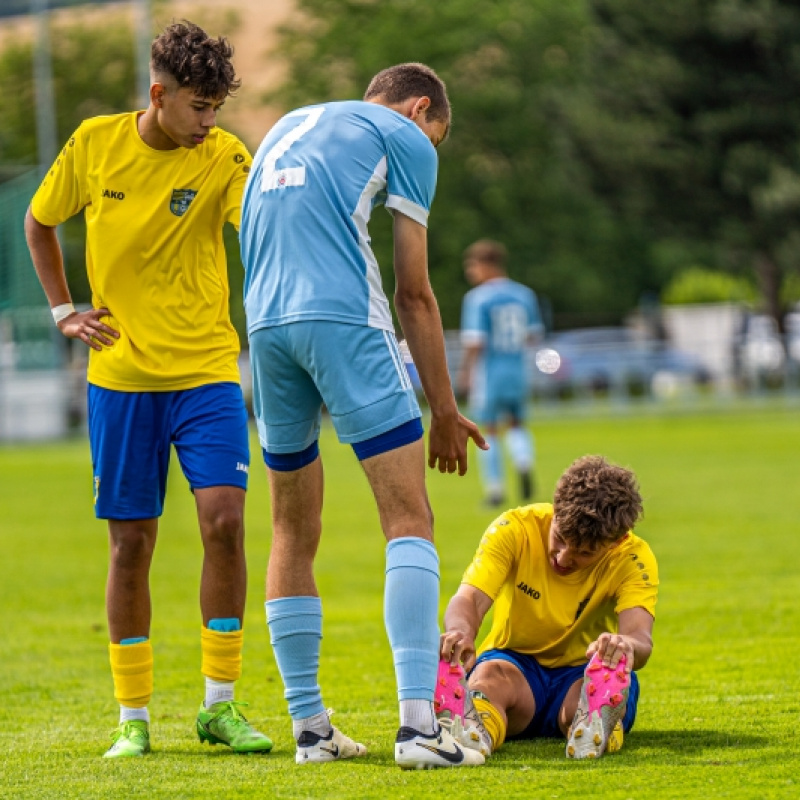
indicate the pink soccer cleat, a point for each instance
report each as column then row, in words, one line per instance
column 451, row 689
column 455, row 710
column 597, row 726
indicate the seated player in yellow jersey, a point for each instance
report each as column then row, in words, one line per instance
column 570, row 583
column 156, row 188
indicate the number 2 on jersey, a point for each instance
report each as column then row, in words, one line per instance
column 273, row 178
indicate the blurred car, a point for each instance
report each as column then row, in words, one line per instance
column 602, row 359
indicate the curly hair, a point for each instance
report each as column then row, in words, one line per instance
column 595, row 502
column 186, row 53
column 402, row 81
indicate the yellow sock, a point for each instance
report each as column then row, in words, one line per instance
column 492, row 721
column 132, row 670
column 222, row 654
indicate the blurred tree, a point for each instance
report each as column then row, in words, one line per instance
column 93, row 73
column 700, row 285
column 688, row 117
column 506, row 171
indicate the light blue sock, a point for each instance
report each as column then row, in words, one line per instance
column 411, row 611
column 491, row 467
column 295, row 628
column 225, row 624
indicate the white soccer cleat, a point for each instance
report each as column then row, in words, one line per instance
column 315, row 749
column 415, row 750
column 469, row 732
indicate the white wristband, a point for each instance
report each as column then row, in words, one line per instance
column 62, row 311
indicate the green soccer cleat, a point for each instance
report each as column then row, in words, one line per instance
column 223, row 723
column 132, row 738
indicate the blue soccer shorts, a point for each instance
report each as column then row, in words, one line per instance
column 550, row 686
column 131, row 432
column 496, row 396
column 355, row 371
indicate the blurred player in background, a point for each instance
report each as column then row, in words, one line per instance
column 570, row 583
column 500, row 318
column 157, row 188
column 321, row 331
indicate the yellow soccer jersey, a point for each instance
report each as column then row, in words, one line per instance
column 539, row 613
column 154, row 249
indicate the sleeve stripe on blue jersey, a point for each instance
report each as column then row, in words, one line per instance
column 417, row 213
column 473, row 337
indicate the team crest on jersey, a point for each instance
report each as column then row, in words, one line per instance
column 181, row 199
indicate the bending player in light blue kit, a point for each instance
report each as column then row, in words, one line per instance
column 499, row 319
column 321, row 331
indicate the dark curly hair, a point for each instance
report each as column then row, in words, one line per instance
column 402, row 81
column 185, row 52
column 595, row 502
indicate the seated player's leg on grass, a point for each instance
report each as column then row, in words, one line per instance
column 411, row 599
column 294, row 609
column 499, row 703
column 603, row 707
column 456, row 711
column 501, row 684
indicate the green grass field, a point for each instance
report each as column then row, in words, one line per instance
column 720, row 708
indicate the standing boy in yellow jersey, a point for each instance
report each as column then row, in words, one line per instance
column 570, row 583
column 156, row 188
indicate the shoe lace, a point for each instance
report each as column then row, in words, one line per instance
column 447, row 723
column 128, row 730
column 478, row 716
column 230, row 714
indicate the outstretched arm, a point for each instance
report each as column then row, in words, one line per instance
column 49, row 265
column 419, row 317
column 634, row 640
column 462, row 621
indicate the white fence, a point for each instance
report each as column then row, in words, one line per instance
column 706, row 353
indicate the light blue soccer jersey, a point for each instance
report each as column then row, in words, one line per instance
column 500, row 314
column 315, row 179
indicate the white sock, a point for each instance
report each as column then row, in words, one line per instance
column 319, row 723
column 419, row 715
column 217, row 692
column 126, row 714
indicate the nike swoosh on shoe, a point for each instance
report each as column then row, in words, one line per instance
column 455, row 757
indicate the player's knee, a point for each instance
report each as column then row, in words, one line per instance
column 499, row 680
column 131, row 546
column 224, row 527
